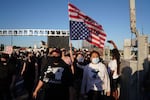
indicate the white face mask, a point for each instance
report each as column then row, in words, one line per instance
column 95, row 60
column 80, row 59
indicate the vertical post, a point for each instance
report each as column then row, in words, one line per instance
column 11, row 40
column 132, row 17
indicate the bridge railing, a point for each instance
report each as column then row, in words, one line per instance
column 33, row 32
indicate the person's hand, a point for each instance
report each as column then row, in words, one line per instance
column 70, row 45
column 22, row 73
column 108, row 93
column 34, row 94
column 113, row 43
column 110, row 41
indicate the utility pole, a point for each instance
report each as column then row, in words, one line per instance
column 133, row 18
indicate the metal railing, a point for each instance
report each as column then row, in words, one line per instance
column 33, row 32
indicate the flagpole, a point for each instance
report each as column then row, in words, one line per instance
column 69, row 28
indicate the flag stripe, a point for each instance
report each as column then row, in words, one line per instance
column 99, row 31
column 96, row 44
column 74, row 13
column 77, row 15
column 97, row 27
column 93, row 36
column 73, row 7
column 95, row 40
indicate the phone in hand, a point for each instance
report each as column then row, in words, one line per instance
column 109, row 41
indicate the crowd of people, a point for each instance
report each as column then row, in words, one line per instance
column 59, row 74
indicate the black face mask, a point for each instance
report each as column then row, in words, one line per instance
column 55, row 59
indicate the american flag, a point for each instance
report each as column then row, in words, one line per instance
column 82, row 27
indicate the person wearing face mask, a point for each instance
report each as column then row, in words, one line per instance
column 95, row 82
column 57, row 77
column 80, row 58
column 78, row 64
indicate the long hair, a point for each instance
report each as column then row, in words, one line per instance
column 116, row 55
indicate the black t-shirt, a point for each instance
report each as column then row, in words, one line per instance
column 58, row 77
column 29, row 73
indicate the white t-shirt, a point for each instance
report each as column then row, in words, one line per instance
column 113, row 67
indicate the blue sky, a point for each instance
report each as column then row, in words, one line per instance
column 113, row 15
